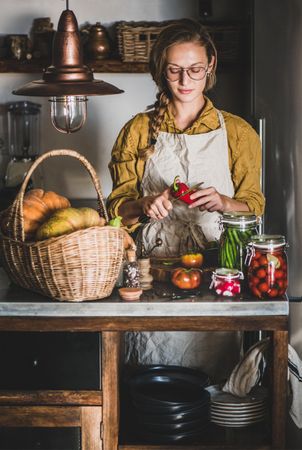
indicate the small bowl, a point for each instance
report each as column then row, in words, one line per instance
column 130, row 294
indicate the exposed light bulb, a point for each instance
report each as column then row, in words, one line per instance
column 68, row 113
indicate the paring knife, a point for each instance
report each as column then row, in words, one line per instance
column 145, row 219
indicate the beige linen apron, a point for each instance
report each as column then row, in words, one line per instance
column 195, row 158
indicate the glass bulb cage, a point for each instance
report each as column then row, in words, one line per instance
column 68, row 113
column 67, row 81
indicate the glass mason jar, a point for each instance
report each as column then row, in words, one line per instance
column 238, row 228
column 226, row 281
column 267, row 266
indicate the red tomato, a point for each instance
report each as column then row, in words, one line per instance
column 263, row 260
column 192, row 260
column 257, row 255
column 284, row 266
column 273, row 293
column 255, row 264
column 255, row 281
column 261, row 273
column 279, row 273
column 263, row 287
column 280, row 284
column 256, row 292
column 186, row 278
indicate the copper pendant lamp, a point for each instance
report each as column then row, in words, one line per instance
column 67, row 81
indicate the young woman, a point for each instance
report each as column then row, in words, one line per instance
column 183, row 135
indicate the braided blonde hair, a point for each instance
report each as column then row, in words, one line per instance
column 157, row 116
column 177, row 32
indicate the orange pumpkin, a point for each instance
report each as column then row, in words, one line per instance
column 38, row 206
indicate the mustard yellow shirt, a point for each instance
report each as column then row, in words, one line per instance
column 244, row 147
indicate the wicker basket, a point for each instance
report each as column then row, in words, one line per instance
column 83, row 265
column 135, row 39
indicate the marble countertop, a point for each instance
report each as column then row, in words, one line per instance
column 158, row 302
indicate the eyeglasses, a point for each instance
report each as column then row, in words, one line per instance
column 196, row 73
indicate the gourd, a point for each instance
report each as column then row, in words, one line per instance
column 68, row 220
column 38, row 206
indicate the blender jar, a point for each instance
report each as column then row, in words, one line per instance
column 24, row 139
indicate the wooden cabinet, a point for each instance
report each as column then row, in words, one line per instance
column 97, row 411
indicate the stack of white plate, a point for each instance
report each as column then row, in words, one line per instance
column 228, row 410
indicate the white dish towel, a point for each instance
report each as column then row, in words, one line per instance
column 246, row 375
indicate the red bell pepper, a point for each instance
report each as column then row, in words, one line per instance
column 178, row 189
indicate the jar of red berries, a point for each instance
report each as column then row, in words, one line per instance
column 267, row 266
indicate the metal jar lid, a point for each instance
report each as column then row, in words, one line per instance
column 239, row 218
column 227, row 273
column 266, row 241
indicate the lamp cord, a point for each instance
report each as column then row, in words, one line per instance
column 67, row 4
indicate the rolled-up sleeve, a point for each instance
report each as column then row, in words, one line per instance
column 125, row 167
column 246, row 169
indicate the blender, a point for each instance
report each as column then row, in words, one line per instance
column 24, row 146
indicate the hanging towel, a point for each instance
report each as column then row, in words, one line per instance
column 246, row 373
column 295, row 381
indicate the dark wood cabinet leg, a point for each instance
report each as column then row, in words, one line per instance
column 279, row 388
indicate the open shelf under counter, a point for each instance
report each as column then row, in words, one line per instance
column 254, row 437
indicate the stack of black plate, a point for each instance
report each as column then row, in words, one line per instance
column 169, row 404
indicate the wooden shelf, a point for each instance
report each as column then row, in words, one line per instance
column 193, row 447
column 253, row 437
column 102, row 66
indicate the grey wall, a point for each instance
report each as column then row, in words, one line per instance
column 107, row 114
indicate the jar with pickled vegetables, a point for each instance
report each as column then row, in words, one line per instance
column 238, row 228
column 226, row 282
column 267, row 266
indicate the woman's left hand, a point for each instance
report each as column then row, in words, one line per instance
column 209, row 199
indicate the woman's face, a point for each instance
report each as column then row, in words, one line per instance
column 186, row 71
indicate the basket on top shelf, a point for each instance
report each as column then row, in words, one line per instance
column 82, row 265
column 135, row 39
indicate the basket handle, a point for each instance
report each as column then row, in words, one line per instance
column 16, row 211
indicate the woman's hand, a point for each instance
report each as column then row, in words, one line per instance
column 209, row 199
column 157, row 206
